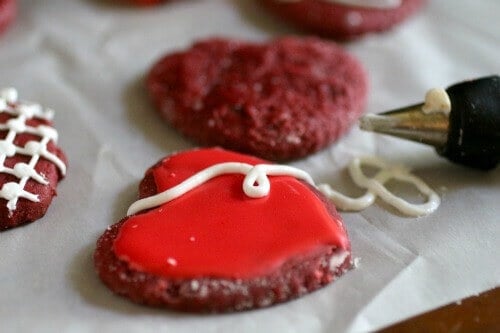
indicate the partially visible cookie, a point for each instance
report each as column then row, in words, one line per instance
column 31, row 164
column 343, row 19
column 278, row 100
column 214, row 248
column 145, row 2
column 8, row 10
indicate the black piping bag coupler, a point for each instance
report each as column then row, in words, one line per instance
column 461, row 122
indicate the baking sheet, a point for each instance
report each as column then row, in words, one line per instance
column 86, row 60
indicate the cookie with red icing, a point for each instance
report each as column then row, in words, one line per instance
column 343, row 19
column 31, row 163
column 218, row 231
column 8, row 10
column 279, row 100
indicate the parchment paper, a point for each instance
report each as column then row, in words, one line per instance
column 86, row 60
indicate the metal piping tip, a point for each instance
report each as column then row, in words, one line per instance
column 410, row 123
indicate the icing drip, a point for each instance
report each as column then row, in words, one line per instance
column 21, row 112
column 256, row 185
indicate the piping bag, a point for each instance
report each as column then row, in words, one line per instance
column 462, row 122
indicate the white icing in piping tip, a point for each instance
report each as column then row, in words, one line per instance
column 21, row 112
column 437, row 100
column 256, row 184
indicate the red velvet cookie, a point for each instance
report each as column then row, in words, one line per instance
column 8, row 10
column 31, row 164
column 216, row 248
column 343, row 19
column 145, row 2
column 279, row 100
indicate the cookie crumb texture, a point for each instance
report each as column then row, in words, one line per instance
column 279, row 100
column 240, row 255
column 340, row 21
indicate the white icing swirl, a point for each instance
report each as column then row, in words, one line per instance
column 375, row 187
column 382, row 4
column 21, row 112
column 256, row 185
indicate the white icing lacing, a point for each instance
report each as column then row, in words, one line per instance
column 256, row 185
column 20, row 112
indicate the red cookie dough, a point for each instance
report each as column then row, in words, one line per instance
column 22, row 137
column 279, row 100
column 216, row 250
column 338, row 20
column 8, row 10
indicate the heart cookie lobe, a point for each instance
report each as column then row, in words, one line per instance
column 216, row 249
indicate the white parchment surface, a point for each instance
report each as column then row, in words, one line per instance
column 86, row 59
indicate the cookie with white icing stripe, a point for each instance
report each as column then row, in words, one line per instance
column 236, row 236
column 343, row 19
column 31, row 163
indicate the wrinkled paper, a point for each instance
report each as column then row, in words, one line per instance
column 86, row 60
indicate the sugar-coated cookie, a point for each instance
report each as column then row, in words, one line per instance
column 278, row 100
column 241, row 234
column 8, row 10
column 31, row 164
column 343, row 19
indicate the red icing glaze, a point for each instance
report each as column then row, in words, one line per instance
column 216, row 230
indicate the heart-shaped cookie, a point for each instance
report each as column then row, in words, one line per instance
column 280, row 99
column 217, row 247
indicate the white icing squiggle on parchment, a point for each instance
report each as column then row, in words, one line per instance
column 375, row 188
column 256, row 185
column 20, row 113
